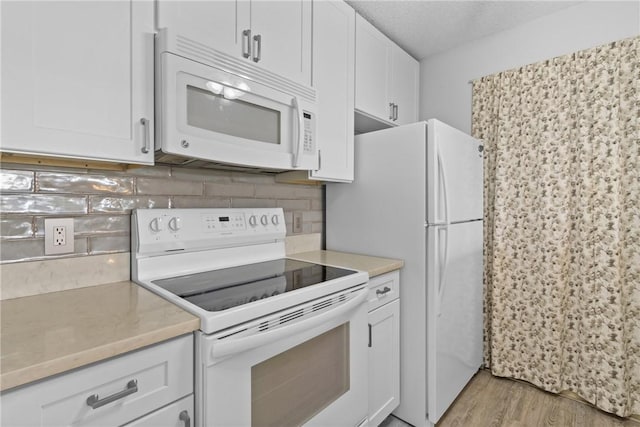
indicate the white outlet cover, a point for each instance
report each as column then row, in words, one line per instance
column 49, row 225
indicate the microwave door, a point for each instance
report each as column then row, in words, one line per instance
column 215, row 116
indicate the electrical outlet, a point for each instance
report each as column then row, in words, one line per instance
column 297, row 222
column 58, row 236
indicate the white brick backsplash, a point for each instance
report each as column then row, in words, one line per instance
column 109, row 244
column 13, row 180
column 294, row 205
column 125, row 204
column 16, row 228
column 31, row 249
column 200, row 202
column 169, row 187
column 228, row 190
column 252, row 203
column 42, row 204
column 101, row 202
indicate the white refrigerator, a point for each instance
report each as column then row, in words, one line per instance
column 417, row 196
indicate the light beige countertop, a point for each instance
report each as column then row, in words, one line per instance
column 375, row 266
column 51, row 333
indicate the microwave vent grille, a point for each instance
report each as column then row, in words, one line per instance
column 203, row 53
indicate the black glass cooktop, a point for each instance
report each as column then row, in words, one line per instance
column 222, row 289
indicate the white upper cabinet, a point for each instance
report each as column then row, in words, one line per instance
column 333, row 79
column 373, row 71
column 386, row 77
column 405, row 73
column 272, row 35
column 77, row 80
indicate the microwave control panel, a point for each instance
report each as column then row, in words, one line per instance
column 309, row 132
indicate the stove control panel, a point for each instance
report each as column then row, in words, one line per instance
column 161, row 230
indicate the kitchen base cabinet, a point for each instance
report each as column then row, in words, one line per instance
column 113, row 392
column 178, row 414
column 384, row 347
column 77, row 80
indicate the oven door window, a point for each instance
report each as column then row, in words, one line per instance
column 292, row 387
column 228, row 115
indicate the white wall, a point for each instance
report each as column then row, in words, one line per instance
column 444, row 77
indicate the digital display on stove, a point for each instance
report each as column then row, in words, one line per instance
column 223, row 218
column 222, row 289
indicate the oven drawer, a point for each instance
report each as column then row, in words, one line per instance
column 383, row 289
column 120, row 389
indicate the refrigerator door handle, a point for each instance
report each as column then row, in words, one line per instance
column 443, row 185
column 443, row 256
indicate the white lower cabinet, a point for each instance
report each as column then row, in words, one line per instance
column 384, row 347
column 110, row 393
column 178, row 414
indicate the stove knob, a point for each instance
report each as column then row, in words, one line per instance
column 264, row 220
column 156, row 225
column 275, row 220
column 175, row 223
column 264, row 296
column 253, row 221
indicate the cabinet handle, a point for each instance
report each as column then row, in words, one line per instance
column 145, row 129
column 383, row 292
column 369, row 334
column 184, row 416
column 395, row 112
column 95, row 402
column 257, row 39
column 391, row 111
column 246, row 43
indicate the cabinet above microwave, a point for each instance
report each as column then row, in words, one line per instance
column 270, row 37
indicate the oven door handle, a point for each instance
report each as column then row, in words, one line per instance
column 229, row 346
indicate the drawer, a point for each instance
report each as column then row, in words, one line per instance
column 383, row 289
column 178, row 414
column 134, row 385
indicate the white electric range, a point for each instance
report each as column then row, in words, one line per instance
column 281, row 342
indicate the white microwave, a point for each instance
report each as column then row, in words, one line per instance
column 215, row 114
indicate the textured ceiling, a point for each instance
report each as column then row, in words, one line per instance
column 425, row 27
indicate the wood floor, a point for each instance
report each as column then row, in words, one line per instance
column 498, row 402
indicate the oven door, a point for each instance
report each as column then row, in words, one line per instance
column 304, row 366
column 214, row 115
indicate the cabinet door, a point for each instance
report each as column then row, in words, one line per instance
column 178, row 414
column 384, row 361
column 218, row 24
column 333, row 78
column 77, row 79
column 281, row 37
column 404, row 86
column 108, row 393
column 373, row 56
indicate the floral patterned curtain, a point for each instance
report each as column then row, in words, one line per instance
column 562, row 223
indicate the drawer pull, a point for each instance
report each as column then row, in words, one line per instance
column 383, row 292
column 184, row 416
column 95, row 402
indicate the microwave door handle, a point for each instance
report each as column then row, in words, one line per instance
column 298, row 150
